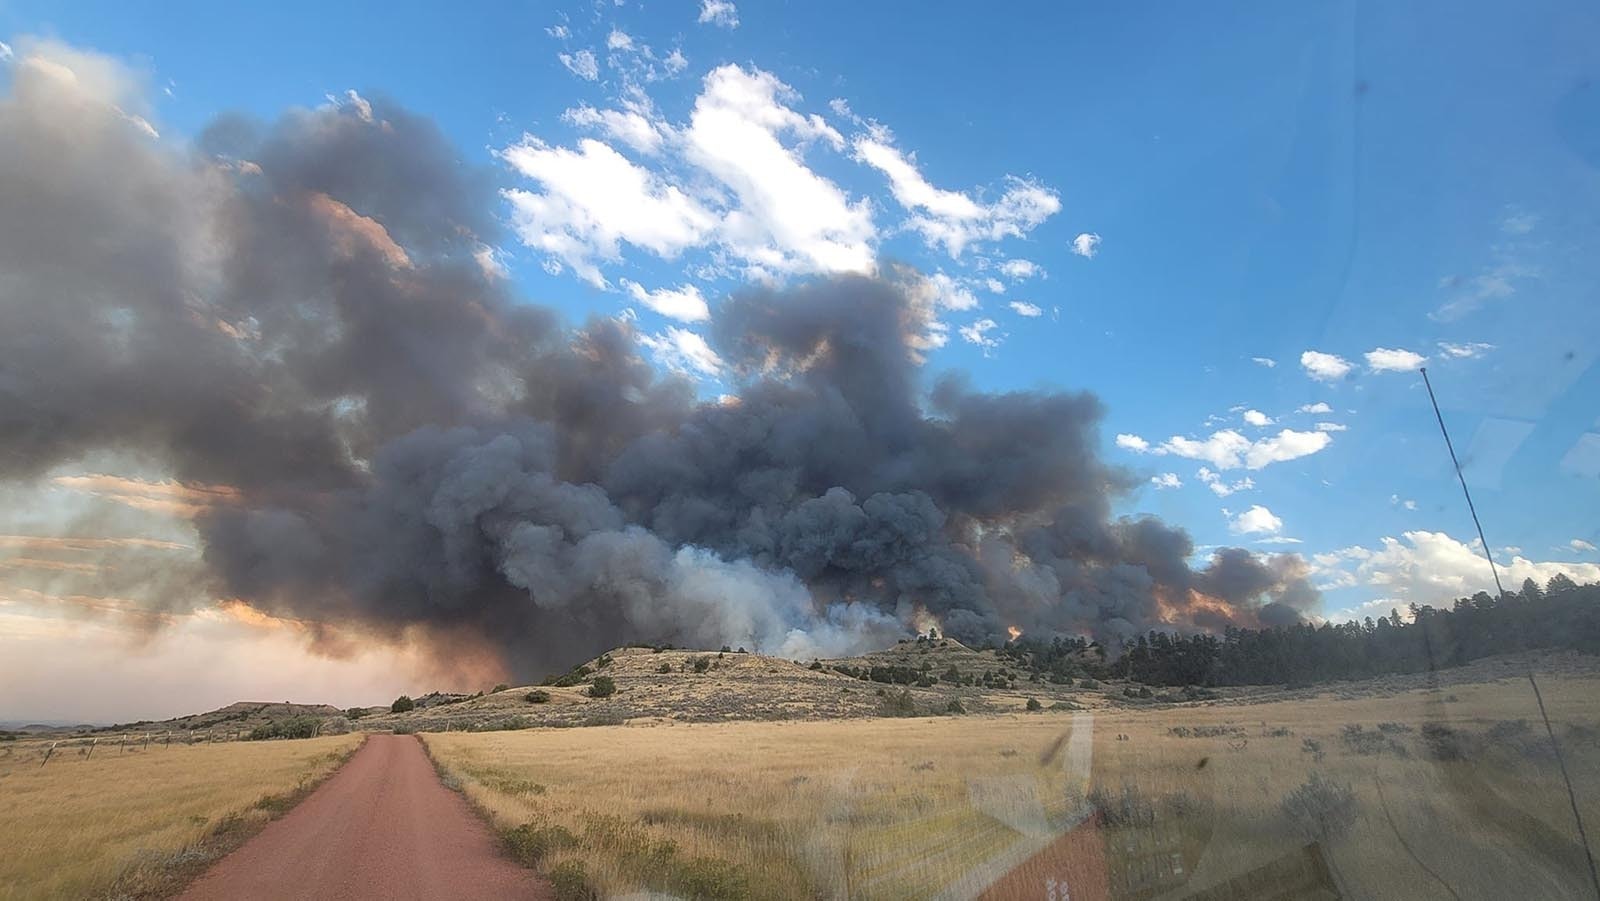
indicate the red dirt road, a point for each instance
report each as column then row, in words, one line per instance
column 382, row 827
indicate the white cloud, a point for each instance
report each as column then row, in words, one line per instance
column 1256, row 520
column 1227, row 449
column 1222, row 488
column 1318, row 407
column 1519, row 223
column 5, row 52
column 978, row 333
column 1467, row 351
column 1433, row 568
column 948, row 293
column 559, row 32
column 681, row 350
column 1279, row 539
column 581, row 64
column 1268, row 362
column 786, row 218
column 595, row 199
column 1324, row 367
column 1086, row 245
column 684, row 303
column 719, row 12
column 633, row 127
column 952, row 219
column 619, row 40
column 1166, row 480
column 675, row 62
column 1385, row 359
column 1133, row 443
column 994, row 286
column 1410, row 505
column 1256, row 418
column 1023, row 308
column 1020, row 269
column 1332, row 427
column 1581, row 546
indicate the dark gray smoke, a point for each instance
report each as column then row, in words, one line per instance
column 300, row 310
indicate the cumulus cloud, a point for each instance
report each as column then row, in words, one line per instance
column 1324, row 367
column 1086, row 245
column 1256, row 520
column 979, row 332
column 1227, row 449
column 1433, row 568
column 594, row 200
column 1268, row 362
column 1132, row 442
column 1385, row 359
column 1020, row 269
column 953, row 219
column 719, row 12
column 1318, row 407
column 1256, row 418
column 1221, row 487
column 1023, row 308
column 1166, row 480
column 1466, row 351
column 684, row 303
column 683, row 351
column 633, row 127
column 582, row 64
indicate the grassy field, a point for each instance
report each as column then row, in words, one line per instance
column 1156, row 803
column 134, row 822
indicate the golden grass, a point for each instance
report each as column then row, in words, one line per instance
column 915, row 808
column 127, row 820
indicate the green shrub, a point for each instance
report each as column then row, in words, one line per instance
column 356, row 713
column 537, row 696
column 954, row 706
column 402, row 704
column 573, row 677
column 602, row 687
column 1089, row 683
column 1033, row 704
column 529, row 843
column 712, row 879
column 603, row 662
column 1321, row 809
column 664, row 668
column 898, row 704
column 404, row 729
column 498, row 688
column 700, row 663
column 570, row 882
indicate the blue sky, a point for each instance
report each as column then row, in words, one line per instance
column 1219, row 220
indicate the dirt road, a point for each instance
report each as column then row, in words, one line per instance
column 382, row 827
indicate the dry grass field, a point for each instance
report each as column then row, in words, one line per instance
column 1457, row 780
column 132, row 822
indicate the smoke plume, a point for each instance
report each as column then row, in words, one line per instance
column 300, row 311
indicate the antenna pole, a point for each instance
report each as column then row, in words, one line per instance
column 1572, row 797
column 1493, row 570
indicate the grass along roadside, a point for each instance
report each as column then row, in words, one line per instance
column 142, row 824
column 904, row 808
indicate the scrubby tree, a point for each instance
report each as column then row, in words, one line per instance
column 602, row 687
column 402, row 704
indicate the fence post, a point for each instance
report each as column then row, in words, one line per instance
column 92, row 743
column 48, row 751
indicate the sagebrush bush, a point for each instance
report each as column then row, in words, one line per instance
column 1127, row 807
column 898, row 703
column 402, row 704
column 954, row 706
column 530, row 842
column 499, row 688
column 1033, row 704
column 602, row 687
column 1321, row 809
column 569, row 881
column 537, row 696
